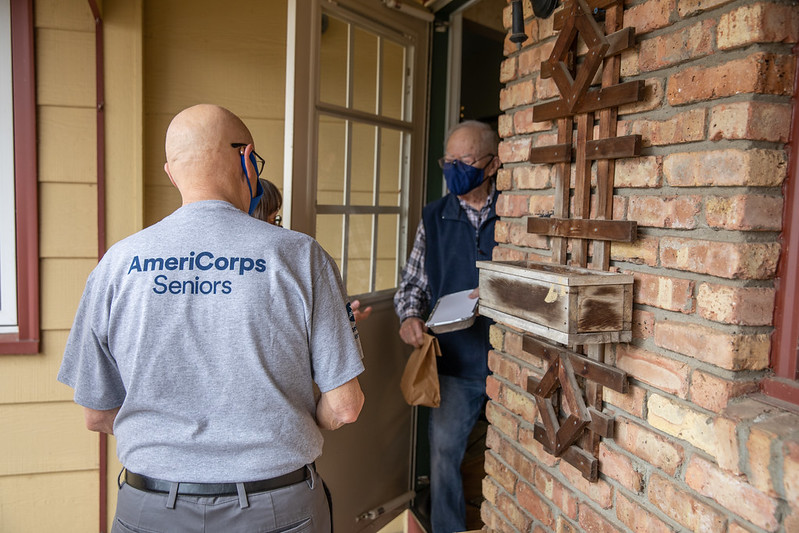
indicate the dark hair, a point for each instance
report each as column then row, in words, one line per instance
column 271, row 201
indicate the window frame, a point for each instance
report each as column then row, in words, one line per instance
column 784, row 384
column 27, row 338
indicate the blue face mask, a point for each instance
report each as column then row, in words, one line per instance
column 259, row 191
column 462, row 178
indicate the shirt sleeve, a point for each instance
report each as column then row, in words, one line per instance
column 88, row 366
column 336, row 352
column 413, row 296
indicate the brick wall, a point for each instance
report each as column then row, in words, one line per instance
column 693, row 449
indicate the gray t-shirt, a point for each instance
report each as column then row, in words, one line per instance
column 209, row 329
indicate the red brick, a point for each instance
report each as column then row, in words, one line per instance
column 523, row 122
column 673, row 294
column 643, row 251
column 530, row 59
column 490, row 490
column 513, row 513
column 680, row 128
column 726, row 168
column 678, row 45
column 532, row 177
column 731, row 260
column 532, row 446
column 520, row 237
column 679, row 212
column 507, row 70
column 520, row 463
column 502, row 231
column 618, row 466
column 759, row 445
column 726, row 350
column 790, row 453
column 499, row 472
column 534, row 504
column 643, row 324
column 546, row 88
column 648, row 445
column 754, row 121
column 501, row 419
column 516, row 94
column 765, row 22
column 637, row 518
column 503, row 367
column 653, row 94
column 520, row 403
column 759, row 73
column 599, row 491
column 631, row 402
column 515, row 150
column 686, row 8
column 649, row 15
column 714, row 393
column 733, row 493
column 513, row 205
column 501, row 253
column 654, row 369
column 593, row 522
column 504, row 180
column 738, row 528
column 556, row 492
column 564, row 526
column 748, row 306
column 744, row 212
column 677, row 502
column 639, row 172
column 541, row 205
column 505, row 126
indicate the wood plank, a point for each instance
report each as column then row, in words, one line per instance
column 46, row 437
column 568, row 433
column 575, row 228
column 571, row 393
column 614, row 147
column 68, row 220
column 65, row 70
column 595, row 100
column 592, row 370
column 582, row 184
column 549, row 383
column 550, row 421
column 540, row 434
column 554, row 273
column 587, row 464
column 620, row 41
column 556, row 153
column 600, row 308
column 560, row 18
column 66, row 502
column 68, row 146
column 601, row 423
column 62, row 282
column 21, row 378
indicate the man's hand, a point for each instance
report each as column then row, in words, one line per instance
column 359, row 315
column 412, row 331
column 100, row 421
column 340, row 406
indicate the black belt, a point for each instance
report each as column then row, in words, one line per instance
column 138, row 481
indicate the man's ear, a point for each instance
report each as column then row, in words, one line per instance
column 494, row 166
column 166, row 169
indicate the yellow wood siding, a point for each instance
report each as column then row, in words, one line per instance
column 48, row 460
column 206, row 52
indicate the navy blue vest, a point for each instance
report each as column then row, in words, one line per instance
column 452, row 247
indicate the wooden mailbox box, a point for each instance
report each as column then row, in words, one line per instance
column 566, row 304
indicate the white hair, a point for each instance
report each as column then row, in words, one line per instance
column 489, row 140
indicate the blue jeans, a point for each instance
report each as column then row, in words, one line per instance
column 462, row 400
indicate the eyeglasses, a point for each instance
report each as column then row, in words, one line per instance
column 444, row 161
column 260, row 163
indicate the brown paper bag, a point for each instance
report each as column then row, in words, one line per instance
column 419, row 382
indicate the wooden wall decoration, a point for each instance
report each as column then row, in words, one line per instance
column 572, row 421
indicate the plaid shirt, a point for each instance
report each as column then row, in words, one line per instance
column 413, row 294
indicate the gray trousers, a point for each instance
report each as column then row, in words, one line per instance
column 302, row 507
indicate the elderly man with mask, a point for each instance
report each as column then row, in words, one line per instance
column 198, row 341
column 455, row 232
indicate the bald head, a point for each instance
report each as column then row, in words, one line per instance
column 199, row 157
